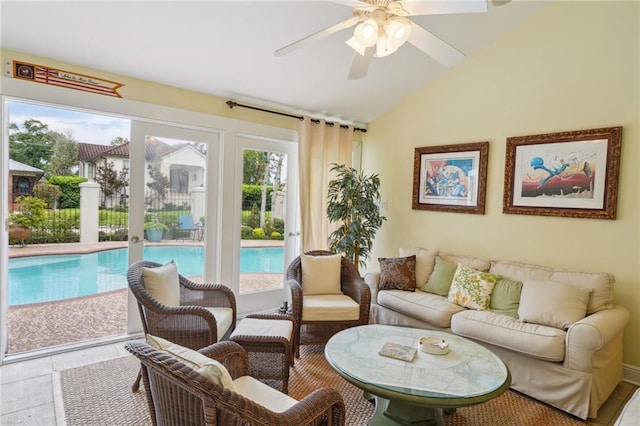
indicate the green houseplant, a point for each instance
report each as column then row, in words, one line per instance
column 154, row 231
column 353, row 201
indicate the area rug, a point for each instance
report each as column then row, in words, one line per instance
column 100, row 394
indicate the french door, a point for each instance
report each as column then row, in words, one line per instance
column 174, row 190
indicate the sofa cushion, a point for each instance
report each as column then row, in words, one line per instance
column 320, row 274
column 398, row 273
column 550, row 303
column 425, row 262
column 505, row 298
column 440, row 279
column 477, row 263
column 601, row 283
column 421, row 305
column 472, row 289
column 534, row 340
column 162, row 283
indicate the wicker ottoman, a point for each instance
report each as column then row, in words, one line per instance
column 269, row 342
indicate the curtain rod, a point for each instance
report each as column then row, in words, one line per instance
column 299, row 117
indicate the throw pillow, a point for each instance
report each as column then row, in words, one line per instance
column 472, row 289
column 162, row 283
column 441, row 277
column 552, row 303
column 398, row 273
column 320, row 274
column 425, row 261
column 505, row 298
column 208, row 367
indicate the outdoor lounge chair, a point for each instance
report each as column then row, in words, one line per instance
column 320, row 316
column 200, row 315
column 185, row 224
column 178, row 394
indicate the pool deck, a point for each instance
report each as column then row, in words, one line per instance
column 47, row 324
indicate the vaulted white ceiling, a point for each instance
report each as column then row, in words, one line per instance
column 227, row 48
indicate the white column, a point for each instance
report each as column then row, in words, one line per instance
column 198, row 196
column 89, row 202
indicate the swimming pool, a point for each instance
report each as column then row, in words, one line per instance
column 38, row 279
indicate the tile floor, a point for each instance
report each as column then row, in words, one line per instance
column 29, row 390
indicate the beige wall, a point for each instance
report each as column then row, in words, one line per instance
column 573, row 66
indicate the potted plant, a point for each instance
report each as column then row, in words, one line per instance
column 353, row 201
column 154, row 231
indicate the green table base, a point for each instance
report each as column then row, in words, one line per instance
column 394, row 412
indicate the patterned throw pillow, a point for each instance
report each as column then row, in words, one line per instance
column 472, row 289
column 398, row 273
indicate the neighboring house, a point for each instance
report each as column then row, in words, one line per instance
column 22, row 179
column 182, row 163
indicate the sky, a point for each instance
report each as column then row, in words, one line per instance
column 80, row 126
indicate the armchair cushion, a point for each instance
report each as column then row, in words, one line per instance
column 207, row 367
column 224, row 319
column 162, row 283
column 320, row 274
column 262, row 394
column 330, row 307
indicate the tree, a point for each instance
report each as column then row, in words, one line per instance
column 253, row 167
column 160, row 183
column 118, row 140
column 353, row 200
column 31, row 145
column 111, row 182
column 64, row 158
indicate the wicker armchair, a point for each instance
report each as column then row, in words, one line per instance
column 351, row 284
column 191, row 324
column 179, row 395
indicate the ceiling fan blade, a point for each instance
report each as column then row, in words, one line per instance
column 360, row 64
column 316, row 36
column 441, row 7
column 442, row 52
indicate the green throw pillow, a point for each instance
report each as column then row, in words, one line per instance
column 505, row 298
column 441, row 277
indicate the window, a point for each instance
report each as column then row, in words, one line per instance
column 179, row 181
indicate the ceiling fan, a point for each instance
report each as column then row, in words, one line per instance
column 382, row 26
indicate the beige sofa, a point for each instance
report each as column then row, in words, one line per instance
column 570, row 363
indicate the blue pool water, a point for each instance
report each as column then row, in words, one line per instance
column 38, row 279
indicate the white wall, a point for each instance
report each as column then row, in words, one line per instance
column 572, row 66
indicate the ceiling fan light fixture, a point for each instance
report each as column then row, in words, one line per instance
column 366, row 33
column 384, row 46
column 398, row 30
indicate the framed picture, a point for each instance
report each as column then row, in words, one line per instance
column 568, row 174
column 450, row 178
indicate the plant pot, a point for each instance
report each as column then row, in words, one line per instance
column 154, row 235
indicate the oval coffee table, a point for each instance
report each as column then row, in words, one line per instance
column 416, row 392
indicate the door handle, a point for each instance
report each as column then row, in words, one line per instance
column 292, row 234
column 135, row 239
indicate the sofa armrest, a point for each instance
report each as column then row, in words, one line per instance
column 592, row 334
column 373, row 279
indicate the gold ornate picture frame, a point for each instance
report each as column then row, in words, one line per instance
column 450, row 178
column 567, row 174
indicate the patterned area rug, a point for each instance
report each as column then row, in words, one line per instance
column 100, row 394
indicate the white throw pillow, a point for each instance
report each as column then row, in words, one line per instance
column 321, row 274
column 162, row 283
column 552, row 303
column 208, row 367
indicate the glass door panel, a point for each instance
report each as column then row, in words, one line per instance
column 173, row 195
column 267, row 219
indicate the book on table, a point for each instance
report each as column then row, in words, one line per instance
column 397, row 351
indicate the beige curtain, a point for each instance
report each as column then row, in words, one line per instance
column 319, row 146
